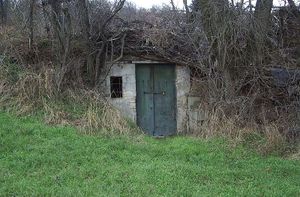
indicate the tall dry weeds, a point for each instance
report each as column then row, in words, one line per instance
column 244, row 120
column 99, row 114
column 37, row 93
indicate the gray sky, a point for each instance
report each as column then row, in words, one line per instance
column 150, row 3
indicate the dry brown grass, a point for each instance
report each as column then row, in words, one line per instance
column 32, row 90
column 103, row 115
column 296, row 155
column 230, row 122
column 38, row 93
column 99, row 114
column 275, row 141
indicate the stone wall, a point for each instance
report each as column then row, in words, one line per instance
column 196, row 116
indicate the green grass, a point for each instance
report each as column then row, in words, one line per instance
column 39, row 160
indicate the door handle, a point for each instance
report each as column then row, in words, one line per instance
column 162, row 93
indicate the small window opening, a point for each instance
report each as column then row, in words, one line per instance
column 116, row 87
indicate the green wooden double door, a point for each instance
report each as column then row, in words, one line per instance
column 156, row 99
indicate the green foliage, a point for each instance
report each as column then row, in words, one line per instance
column 38, row 160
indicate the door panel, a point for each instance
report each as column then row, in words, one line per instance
column 156, row 99
column 145, row 108
column 164, row 100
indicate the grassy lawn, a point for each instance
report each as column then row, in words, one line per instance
column 38, row 160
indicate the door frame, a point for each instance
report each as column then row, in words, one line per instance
column 175, row 92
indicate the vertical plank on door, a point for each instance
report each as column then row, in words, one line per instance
column 145, row 108
column 164, row 100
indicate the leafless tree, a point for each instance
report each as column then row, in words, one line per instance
column 61, row 23
column 82, row 6
column 96, row 42
column 263, row 12
column 46, row 18
column 31, row 22
column 292, row 4
column 3, row 11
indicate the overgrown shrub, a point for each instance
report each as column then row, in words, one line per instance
column 268, row 129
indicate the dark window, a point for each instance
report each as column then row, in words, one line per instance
column 116, row 87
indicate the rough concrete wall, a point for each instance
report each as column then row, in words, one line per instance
column 195, row 114
column 126, row 104
column 183, row 89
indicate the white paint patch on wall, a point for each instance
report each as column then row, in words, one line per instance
column 126, row 104
column 183, row 90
